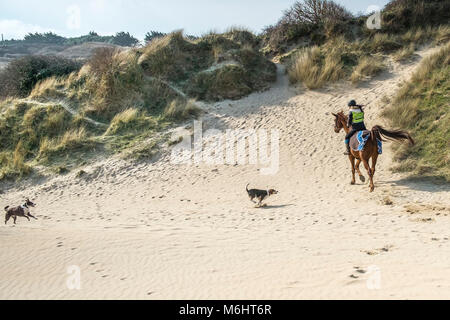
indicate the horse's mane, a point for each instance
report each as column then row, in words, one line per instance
column 342, row 115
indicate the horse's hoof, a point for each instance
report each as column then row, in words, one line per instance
column 362, row 178
column 372, row 188
column 352, row 183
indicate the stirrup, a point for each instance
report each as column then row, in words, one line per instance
column 347, row 152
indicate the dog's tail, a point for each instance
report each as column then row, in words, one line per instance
column 6, row 208
column 246, row 188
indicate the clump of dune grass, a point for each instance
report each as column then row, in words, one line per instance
column 382, row 42
column 405, row 53
column 173, row 57
column 130, row 120
column 227, row 82
column 182, row 110
column 70, row 140
column 367, row 67
column 113, row 86
column 49, row 88
column 421, row 106
column 314, row 70
column 417, row 35
column 442, row 34
column 13, row 164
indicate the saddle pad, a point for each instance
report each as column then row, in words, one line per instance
column 359, row 139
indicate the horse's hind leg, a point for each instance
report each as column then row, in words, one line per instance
column 374, row 163
column 369, row 170
column 352, row 161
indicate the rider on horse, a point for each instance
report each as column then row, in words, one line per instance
column 355, row 122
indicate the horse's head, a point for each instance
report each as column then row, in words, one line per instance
column 339, row 121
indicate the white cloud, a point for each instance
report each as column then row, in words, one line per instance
column 73, row 21
column 98, row 5
column 16, row 29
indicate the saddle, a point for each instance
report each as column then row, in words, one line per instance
column 359, row 139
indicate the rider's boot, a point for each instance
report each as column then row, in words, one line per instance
column 347, row 152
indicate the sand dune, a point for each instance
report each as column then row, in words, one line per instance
column 163, row 231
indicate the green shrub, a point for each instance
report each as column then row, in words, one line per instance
column 312, row 20
column 125, row 39
column 20, row 75
column 402, row 15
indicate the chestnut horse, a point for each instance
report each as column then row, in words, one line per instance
column 370, row 149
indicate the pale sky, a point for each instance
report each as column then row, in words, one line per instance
column 106, row 17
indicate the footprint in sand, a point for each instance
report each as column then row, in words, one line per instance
column 386, row 248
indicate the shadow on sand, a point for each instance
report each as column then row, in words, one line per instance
column 276, row 207
column 427, row 184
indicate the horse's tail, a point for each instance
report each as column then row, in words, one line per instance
column 378, row 132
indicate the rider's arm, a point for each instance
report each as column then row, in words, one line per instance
column 350, row 120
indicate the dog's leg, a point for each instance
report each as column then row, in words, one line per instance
column 259, row 202
column 15, row 218
column 31, row 216
column 27, row 218
column 7, row 216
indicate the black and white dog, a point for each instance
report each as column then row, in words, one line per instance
column 259, row 194
column 20, row 211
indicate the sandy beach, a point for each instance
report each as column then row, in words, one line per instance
column 159, row 230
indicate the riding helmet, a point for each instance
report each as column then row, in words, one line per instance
column 352, row 103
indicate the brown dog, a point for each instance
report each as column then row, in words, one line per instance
column 20, row 211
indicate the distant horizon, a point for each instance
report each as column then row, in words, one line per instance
column 138, row 17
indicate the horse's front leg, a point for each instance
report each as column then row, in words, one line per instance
column 352, row 161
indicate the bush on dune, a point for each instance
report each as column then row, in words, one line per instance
column 228, row 82
column 173, row 57
column 114, row 79
column 404, row 53
column 310, row 21
column 20, row 75
column 402, row 15
column 246, row 71
column 422, row 107
column 314, row 69
column 367, row 67
column 182, row 110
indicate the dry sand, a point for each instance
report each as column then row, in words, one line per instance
column 163, row 231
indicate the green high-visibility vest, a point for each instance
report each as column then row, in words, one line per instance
column 358, row 116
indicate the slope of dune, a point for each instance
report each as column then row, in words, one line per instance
column 158, row 230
